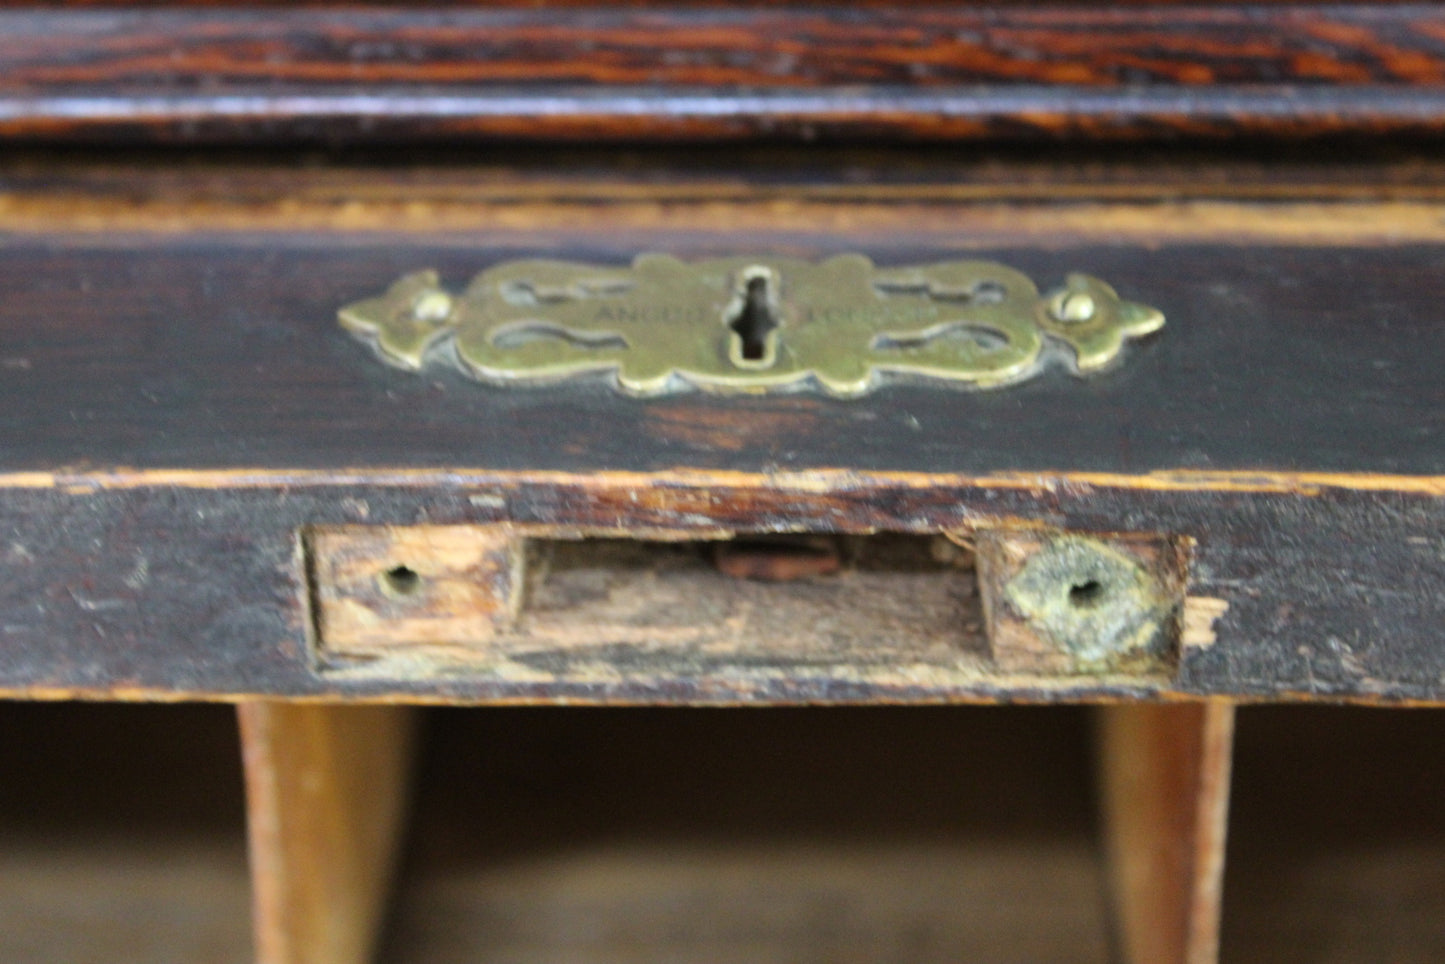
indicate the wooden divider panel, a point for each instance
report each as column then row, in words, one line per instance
column 326, row 794
column 1164, row 787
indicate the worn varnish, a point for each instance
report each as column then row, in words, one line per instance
column 208, row 491
column 1274, row 359
column 682, row 72
column 1347, row 195
column 159, row 589
column 177, row 410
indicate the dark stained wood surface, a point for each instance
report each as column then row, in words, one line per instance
column 225, row 354
column 169, row 184
column 174, row 408
column 174, row 589
column 684, row 72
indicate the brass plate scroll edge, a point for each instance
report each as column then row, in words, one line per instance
column 751, row 324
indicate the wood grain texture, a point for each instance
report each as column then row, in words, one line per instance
column 174, row 410
column 654, row 606
column 1164, row 779
column 162, row 591
column 225, row 354
column 1001, row 198
column 326, row 789
column 683, row 72
column 1149, row 579
column 379, row 588
column 856, row 174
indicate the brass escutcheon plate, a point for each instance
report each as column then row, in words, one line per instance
column 747, row 324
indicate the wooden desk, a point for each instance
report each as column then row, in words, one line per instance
column 187, row 432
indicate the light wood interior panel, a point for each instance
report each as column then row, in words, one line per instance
column 1164, row 786
column 326, row 791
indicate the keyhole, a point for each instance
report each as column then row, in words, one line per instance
column 754, row 320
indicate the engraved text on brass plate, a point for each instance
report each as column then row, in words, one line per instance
column 842, row 325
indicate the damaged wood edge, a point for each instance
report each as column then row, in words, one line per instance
column 315, row 594
column 959, row 224
column 308, row 603
column 1058, row 601
column 821, row 481
column 1200, row 613
column 1030, row 693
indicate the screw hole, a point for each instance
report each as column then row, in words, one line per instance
column 401, row 580
column 1086, row 593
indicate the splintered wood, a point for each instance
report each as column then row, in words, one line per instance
column 812, row 612
column 602, row 606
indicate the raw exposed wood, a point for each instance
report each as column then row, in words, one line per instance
column 326, row 788
column 235, row 587
column 1164, row 779
column 376, row 588
column 599, row 610
column 176, row 409
column 1197, row 621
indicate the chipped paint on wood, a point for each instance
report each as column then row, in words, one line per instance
column 223, row 610
column 817, row 480
column 1198, row 619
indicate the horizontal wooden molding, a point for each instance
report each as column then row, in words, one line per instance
column 927, row 195
column 950, row 226
column 680, row 71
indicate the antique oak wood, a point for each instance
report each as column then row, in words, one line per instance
column 1285, row 415
column 678, row 72
column 210, row 491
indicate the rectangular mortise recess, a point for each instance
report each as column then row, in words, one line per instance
column 1029, row 601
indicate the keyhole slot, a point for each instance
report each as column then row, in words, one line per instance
column 754, row 321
